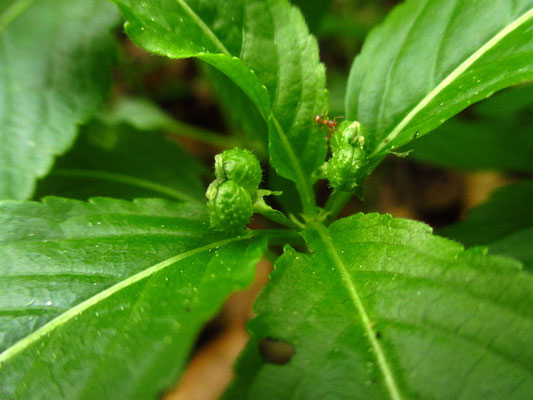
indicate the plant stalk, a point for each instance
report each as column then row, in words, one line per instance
column 336, row 203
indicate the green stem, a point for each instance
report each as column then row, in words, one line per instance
column 336, row 202
column 280, row 237
column 179, row 128
column 303, row 183
column 124, row 179
column 279, row 218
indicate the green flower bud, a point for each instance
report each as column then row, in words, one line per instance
column 240, row 166
column 349, row 132
column 229, row 205
column 346, row 169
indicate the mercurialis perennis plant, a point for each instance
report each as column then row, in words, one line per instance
column 143, row 177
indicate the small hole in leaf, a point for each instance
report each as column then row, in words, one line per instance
column 275, row 351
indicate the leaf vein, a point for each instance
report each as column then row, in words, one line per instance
column 463, row 67
column 458, row 336
column 209, row 33
column 81, row 307
column 350, row 285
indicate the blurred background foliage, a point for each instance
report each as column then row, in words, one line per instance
column 162, row 110
column 166, row 119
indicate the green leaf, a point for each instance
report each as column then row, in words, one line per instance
column 506, row 104
column 431, row 59
column 479, row 145
column 140, row 113
column 104, row 300
column 501, row 126
column 267, row 51
column 261, row 207
column 288, row 200
column 144, row 115
column 184, row 29
column 241, row 116
column 122, row 162
column 55, row 61
column 504, row 224
column 382, row 309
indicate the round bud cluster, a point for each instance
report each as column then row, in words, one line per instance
column 240, row 166
column 346, row 169
column 229, row 197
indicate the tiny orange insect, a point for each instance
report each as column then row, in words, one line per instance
column 329, row 123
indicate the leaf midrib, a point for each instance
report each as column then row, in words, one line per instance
column 463, row 67
column 350, row 286
column 81, row 307
column 303, row 184
column 304, row 187
column 13, row 12
column 125, row 180
column 209, row 33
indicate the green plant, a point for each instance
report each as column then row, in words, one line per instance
column 104, row 299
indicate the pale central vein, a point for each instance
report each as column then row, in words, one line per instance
column 83, row 306
column 456, row 73
column 303, row 182
column 126, row 180
column 347, row 280
column 12, row 12
column 209, row 33
column 304, row 187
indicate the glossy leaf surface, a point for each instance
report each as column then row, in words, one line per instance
column 266, row 50
column 105, row 299
column 55, row 62
column 382, row 309
column 504, row 224
column 431, row 59
column 240, row 114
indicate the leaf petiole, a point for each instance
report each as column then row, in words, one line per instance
column 335, row 204
column 179, row 128
column 280, row 237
